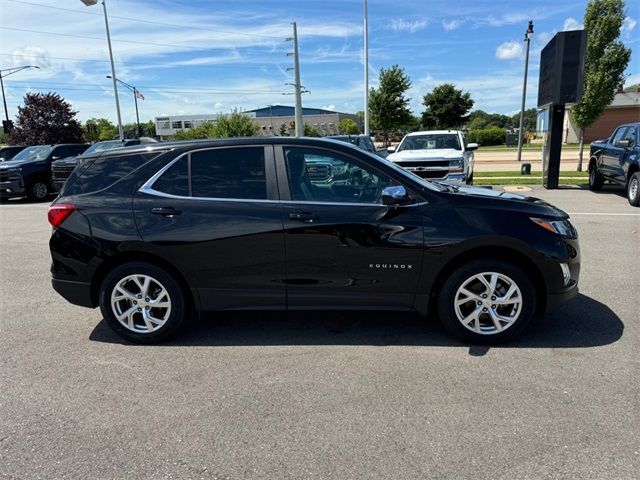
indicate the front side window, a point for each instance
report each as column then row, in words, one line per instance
column 234, row 173
column 322, row 176
column 618, row 135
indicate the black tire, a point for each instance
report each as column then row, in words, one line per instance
column 38, row 190
column 595, row 179
column 177, row 313
column 506, row 272
column 633, row 190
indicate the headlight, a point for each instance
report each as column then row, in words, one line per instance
column 561, row 227
column 456, row 163
column 14, row 171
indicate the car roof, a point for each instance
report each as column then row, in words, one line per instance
column 186, row 145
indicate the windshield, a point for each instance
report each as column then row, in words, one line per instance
column 34, row 153
column 431, row 141
column 103, row 146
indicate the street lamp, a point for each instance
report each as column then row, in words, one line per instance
column 136, row 94
column 527, row 39
column 90, row 3
column 366, row 69
column 10, row 71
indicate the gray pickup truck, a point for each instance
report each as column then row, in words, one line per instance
column 617, row 160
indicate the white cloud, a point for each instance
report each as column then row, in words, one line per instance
column 627, row 26
column 329, row 107
column 450, row 25
column 400, row 25
column 572, row 24
column 509, row 51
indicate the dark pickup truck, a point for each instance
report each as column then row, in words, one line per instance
column 28, row 174
column 617, row 160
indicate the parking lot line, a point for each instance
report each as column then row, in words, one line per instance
column 607, row 214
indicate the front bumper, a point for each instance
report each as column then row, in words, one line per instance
column 554, row 300
column 78, row 293
column 13, row 187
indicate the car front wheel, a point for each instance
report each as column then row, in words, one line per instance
column 487, row 301
column 142, row 303
column 633, row 189
column 37, row 190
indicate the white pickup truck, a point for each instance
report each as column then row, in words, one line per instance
column 441, row 155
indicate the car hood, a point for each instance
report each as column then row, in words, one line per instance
column 405, row 155
column 18, row 163
column 66, row 161
column 507, row 201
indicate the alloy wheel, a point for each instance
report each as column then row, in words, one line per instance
column 140, row 303
column 39, row 190
column 633, row 188
column 488, row 303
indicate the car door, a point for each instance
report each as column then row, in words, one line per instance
column 214, row 214
column 613, row 156
column 344, row 248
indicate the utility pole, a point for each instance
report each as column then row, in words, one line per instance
column 527, row 39
column 299, row 132
column 366, row 69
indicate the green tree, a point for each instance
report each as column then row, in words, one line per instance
column 104, row 128
column 310, row 131
column 605, row 63
column 388, row 107
column 348, row 126
column 283, row 130
column 446, row 107
column 236, row 124
column 530, row 120
column 206, row 130
column 45, row 118
column 632, row 88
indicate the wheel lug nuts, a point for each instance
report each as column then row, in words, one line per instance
column 484, row 296
column 146, row 299
column 484, row 309
column 479, row 302
column 493, row 299
column 139, row 296
column 139, row 309
column 135, row 303
column 146, row 308
column 493, row 306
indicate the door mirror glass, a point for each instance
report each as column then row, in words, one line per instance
column 622, row 143
column 391, row 149
column 395, row 195
column 471, row 147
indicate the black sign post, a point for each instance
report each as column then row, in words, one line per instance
column 561, row 82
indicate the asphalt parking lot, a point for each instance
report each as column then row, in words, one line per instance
column 324, row 395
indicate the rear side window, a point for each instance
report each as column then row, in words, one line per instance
column 104, row 172
column 217, row 173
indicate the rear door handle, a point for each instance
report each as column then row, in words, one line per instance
column 165, row 211
column 304, row 217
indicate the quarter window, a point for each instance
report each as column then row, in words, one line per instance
column 175, row 181
column 321, row 176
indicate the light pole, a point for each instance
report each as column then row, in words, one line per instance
column 136, row 93
column 366, row 69
column 90, row 3
column 527, row 39
column 11, row 72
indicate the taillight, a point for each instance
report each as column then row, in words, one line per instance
column 59, row 212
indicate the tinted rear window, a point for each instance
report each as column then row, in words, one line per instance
column 175, row 181
column 104, row 172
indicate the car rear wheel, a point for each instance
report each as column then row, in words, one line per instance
column 487, row 301
column 37, row 190
column 633, row 189
column 595, row 179
column 142, row 303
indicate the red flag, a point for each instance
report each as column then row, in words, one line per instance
column 139, row 95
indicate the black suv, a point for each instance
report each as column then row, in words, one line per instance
column 28, row 174
column 61, row 169
column 151, row 235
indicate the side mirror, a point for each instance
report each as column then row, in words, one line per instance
column 396, row 195
column 622, row 143
column 391, row 149
column 471, row 147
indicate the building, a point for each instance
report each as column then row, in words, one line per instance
column 272, row 120
column 625, row 108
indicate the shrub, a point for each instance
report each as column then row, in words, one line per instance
column 487, row 136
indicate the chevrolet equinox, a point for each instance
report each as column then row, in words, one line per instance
column 154, row 234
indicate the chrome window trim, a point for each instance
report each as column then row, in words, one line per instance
column 148, row 189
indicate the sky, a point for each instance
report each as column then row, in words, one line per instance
column 207, row 57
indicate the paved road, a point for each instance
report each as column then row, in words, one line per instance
column 328, row 395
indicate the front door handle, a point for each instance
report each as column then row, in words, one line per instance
column 304, row 217
column 165, row 211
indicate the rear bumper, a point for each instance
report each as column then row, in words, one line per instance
column 78, row 293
